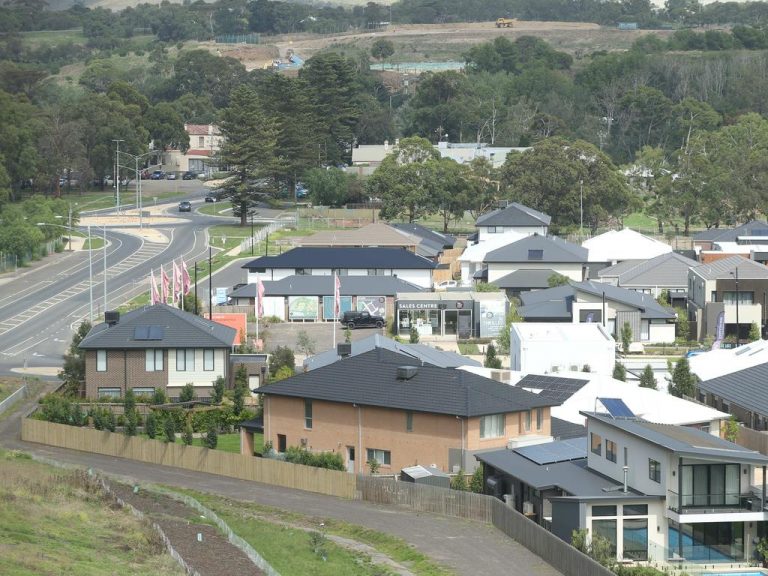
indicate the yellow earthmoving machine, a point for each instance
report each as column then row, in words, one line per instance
column 505, row 22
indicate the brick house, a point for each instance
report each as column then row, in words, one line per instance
column 155, row 347
column 380, row 405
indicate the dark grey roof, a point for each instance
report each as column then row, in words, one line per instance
column 557, row 302
column 351, row 258
column 667, row 270
column 180, row 330
column 557, row 451
column 370, row 379
column 556, row 388
column 553, row 249
column 514, row 215
column 746, row 388
column 683, row 440
column 255, row 425
column 562, row 429
column 525, row 279
column 306, row 285
column 419, row 352
column 722, row 269
column 574, row 477
column 446, row 240
column 752, row 228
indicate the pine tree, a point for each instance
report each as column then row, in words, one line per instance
column 211, row 438
column 619, row 372
column 73, row 371
column 626, row 337
column 648, row 379
column 130, row 423
column 491, row 360
column 186, row 436
column 683, row 382
column 238, row 399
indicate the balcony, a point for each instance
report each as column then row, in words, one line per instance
column 719, row 503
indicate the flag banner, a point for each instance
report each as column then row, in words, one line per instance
column 186, row 281
column 165, row 281
column 336, row 296
column 259, row 299
column 154, row 294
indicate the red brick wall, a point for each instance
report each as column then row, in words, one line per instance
column 124, row 367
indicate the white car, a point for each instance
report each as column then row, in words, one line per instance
column 172, row 176
column 445, row 284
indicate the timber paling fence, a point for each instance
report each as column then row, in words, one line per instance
column 387, row 491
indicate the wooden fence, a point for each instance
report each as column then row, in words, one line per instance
column 753, row 440
column 561, row 555
column 331, row 482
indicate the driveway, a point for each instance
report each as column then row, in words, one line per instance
column 470, row 548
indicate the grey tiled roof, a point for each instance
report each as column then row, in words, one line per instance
column 419, row 352
column 525, row 279
column 563, row 429
column 306, row 285
column 722, row 268
column 667, row 270
column 553, row 250
column 684, row 440
column 514, row 215
column 730, row 234
column 180, row 330
column 354, row 258
column 446, row 240
column 746, row 388
column 370, row 379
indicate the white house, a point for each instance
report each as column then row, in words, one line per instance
column 544, row 347
column 620, row 245
column 513, row 218
column 205, row 142
column 473, row 258
column 536, row 252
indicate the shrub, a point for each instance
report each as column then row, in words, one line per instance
column 281, row 356
column 187, row 393
column 186, row 436
column 476, row 482
column 218, row 390
column 491, row 360
column 56, row 408
column 238, row 399
column 129, row 401
column 159, row 397
column 78, row 417
column 211, row 439
column 130, row 423
column 150, row 426
column 329, row 460
column 169, row 430
column 619, row 372
column 459, row 482
column 413, row 335
column 110, row 422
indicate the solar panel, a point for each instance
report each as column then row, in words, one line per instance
column 554, row 388
column 148, row 333
column 156, row 332
column 535, row 254
column 558, row 451
column 616, row 407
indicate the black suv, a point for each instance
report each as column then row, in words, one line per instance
column 354, row 320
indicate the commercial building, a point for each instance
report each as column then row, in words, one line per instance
column 451, row 314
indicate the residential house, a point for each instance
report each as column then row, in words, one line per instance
column 741, row 393
column 383, row 406
column 515, row 218
column 311, row 298
column 714, row 290
column 579, row 346
column 580, row 302
column 157, row 347
column 205, row 142
column 419, row 353
column 472, row 259
column 707, row 241
column 397, row 262
column 438, row 239
column 652, row 276
column 620, row 245
column 672, row 495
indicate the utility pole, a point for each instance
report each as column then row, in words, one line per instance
column 105, row 270
column 117, row 173
column 90, row 275
column 581, row 210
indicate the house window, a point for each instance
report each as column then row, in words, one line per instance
column 282, row 443
column 101, row 360
column 109, row 392
column 610, row 450
column 153, row 360
column 143, row 391
column 713, row 296
column 492, row 426
column 604, row 510
column 208, row 360
column 654, row 470
column 409, row 421
column 744, row 297
column 596, row 443
column 303, row 272
column 491, row 229
column 185, row 360
column 635, row 531
column 201, row 141
column 527, row 421
column 308, row 414
column 626, row 456
column 539, row 418
column 383, row 457
column 635, row 509
column 606, row 529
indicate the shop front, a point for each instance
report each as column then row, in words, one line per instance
column 442, row 314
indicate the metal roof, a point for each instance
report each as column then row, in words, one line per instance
column 418, row 352
column 667, row 270
column 525, row 279
column 179, row 330
column 746, row 388
column 553, row 249
column 683, row 440
column 555, row 388
column 562, row 429
column 348, row 258
column 371, row 379
column 722, row 268
column 446, row 240
column 307, row 285
column 557, row 451
column 515, row 214
column 625, row 244
column 730, row 234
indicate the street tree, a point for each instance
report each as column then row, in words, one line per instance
column 648, row 379
column 73, row 370
column 683, row 382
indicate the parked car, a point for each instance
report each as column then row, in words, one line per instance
column 157, row 175
column 185, row 206
column 172, row 176
column 210, row 197
column 189, row 176
column 363, row 319
column 445, row 284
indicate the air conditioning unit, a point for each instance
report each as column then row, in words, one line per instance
column 528, row 508
column 304, row 442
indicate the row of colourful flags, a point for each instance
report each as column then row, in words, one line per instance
column 175, row 287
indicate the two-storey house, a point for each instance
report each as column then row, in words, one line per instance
column 515, row 218
column 155, row 347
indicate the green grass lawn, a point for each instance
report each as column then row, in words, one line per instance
column 50, row 524
column 227, row 442
column 468, row 348
column 258, row 443
column 288, row 549
column 216, row 209
column 229, row 236
column 53, row 37
column 10, row 385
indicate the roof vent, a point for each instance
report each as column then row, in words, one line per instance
column 111, row 317
column 344, row 349
column 406, row 372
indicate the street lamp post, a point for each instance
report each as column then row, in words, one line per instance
column 139, row 200
column 738, row 326
column 117, row 173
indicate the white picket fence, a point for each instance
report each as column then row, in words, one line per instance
column 261, row 233
column 13, row 398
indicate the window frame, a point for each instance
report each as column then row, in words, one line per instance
column 373, row 454
column 654, row 470
column 596, row 449
column 153, row 360
column 101, row 360
column 307, row 414
column 206, row 352
column 539, row 418
column 486, row 430
column 108, row 392
column 611, row 450
column 185, row 354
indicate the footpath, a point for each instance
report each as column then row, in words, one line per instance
column 469, row 548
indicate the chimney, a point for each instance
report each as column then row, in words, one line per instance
column 626, row 470
column 344, row 349
column 406, row 372
column 111, row 317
